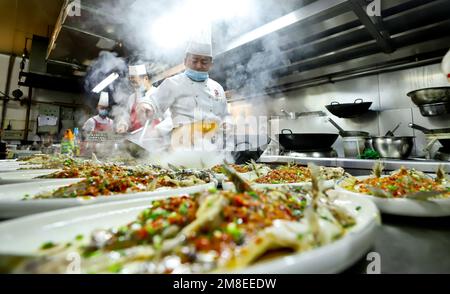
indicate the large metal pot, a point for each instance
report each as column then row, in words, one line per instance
column 393, row 147
column 306, row 141
column 430, row 95
column 435, row 109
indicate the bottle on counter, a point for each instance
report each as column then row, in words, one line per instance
column 76, row 142
column 67, row 143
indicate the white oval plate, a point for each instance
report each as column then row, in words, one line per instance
column 25, row 176
column 17, row 167
column 326, row 184
column 26, row 235
column 12, row 205
column 405, row 207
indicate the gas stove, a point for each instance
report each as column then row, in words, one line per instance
column 320, row 153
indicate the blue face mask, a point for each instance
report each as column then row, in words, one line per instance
column 103, row 112
column 142, row 90
column 196, row 76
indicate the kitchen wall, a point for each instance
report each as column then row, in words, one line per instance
column 390, row 105
column 16, row 113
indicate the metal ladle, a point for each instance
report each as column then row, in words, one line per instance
column 391, row 133
column 344, row 133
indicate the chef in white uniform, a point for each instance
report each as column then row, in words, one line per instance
column 101, row 122
column 197, row 103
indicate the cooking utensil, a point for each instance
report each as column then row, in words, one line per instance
column 291, row 115
column 444, row 142
column 435, row 109
column 391, row 133
column 306, row 141
column 430, row 95
column 245, row 151
column 393, row 147
column 348, row 133
column 138, row 146
column 349, row 110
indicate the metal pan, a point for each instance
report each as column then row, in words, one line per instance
column 306, row 141
column 249, row 148
column 349, row 110
column 430, row 95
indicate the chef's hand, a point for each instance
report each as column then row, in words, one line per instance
column 122, row 128
column 144, row 111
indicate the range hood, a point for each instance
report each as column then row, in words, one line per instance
column 50, row 75
column 331, row 40
column 316, row 42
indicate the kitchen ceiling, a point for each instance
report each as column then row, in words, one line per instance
column 21, row 19
column 279, row 46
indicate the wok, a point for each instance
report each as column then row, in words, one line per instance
column 444, row 142
column 349, row 110
column 348, row 133
column 430, row 95
column 248, row 148
column 306, row 141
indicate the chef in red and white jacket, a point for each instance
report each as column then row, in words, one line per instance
column 101, row 122
column 127, row 120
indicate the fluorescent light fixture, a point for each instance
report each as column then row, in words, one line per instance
column 105, row 83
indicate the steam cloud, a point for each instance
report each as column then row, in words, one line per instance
column 135, row 23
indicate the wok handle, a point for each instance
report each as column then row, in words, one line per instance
column 287, row 130
column 341, row 130
column 360, row 101
column 420, row 128
column 334, row 103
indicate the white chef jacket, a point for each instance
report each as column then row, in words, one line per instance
column 189, row 101
column 89, row 125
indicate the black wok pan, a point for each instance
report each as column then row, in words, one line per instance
column 444, row 142
column 249, row 148
column 306, row 141
column 349, row 110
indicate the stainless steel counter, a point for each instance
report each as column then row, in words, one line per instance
column 409, row 245
column 361, row 164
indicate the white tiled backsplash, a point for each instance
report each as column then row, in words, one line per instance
column 390, row 105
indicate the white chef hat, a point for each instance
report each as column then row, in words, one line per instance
column 137, row 70
column 104, row 99
column 202, row 49
column 200, row 43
